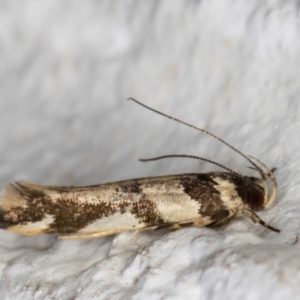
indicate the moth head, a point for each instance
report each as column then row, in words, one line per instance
column 257, row 194
column 262, row 197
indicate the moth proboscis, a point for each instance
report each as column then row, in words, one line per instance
column 171, row 202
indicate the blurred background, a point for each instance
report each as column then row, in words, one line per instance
column 67, row 68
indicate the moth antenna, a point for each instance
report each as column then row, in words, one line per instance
column 200, row 158
column 272, row 177
column 270, row 171
column 273, row 170
column 189, row 156
column 258, row 169
column 251, row 168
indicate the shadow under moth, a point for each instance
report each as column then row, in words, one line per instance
column 170, row 202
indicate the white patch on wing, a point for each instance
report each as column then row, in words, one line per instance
column 228, row 193
column 105, row 193
column 173, row 206
column 126, row 221
column 33, row 228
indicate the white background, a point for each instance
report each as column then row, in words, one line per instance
column 232, row 67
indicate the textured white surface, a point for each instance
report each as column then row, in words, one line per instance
column 233, row 67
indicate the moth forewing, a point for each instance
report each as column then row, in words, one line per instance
column 172, row 202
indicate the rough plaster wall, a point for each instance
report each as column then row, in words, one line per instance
column 233, row 67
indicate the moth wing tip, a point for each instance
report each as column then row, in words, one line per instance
column 12, row 195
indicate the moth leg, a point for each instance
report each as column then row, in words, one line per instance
column 173, row 227
column 89, row 236
column 256, row 219
column 134, row 236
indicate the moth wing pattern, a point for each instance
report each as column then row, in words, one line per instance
column 170, row 202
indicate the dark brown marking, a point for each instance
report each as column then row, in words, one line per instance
column 200, row 187
column 4, row 223
column 164, row 226
column 145, row 211
column 251, row 194
column 131, row 187
column 27, row 192
column 190, row 224
column 71, row 215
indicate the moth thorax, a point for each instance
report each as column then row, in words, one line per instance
column 258, row 194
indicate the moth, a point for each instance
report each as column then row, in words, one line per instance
column 170, row 202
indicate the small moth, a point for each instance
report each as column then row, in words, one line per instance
column 171, row 202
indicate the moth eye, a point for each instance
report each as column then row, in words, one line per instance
column 256, row 199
